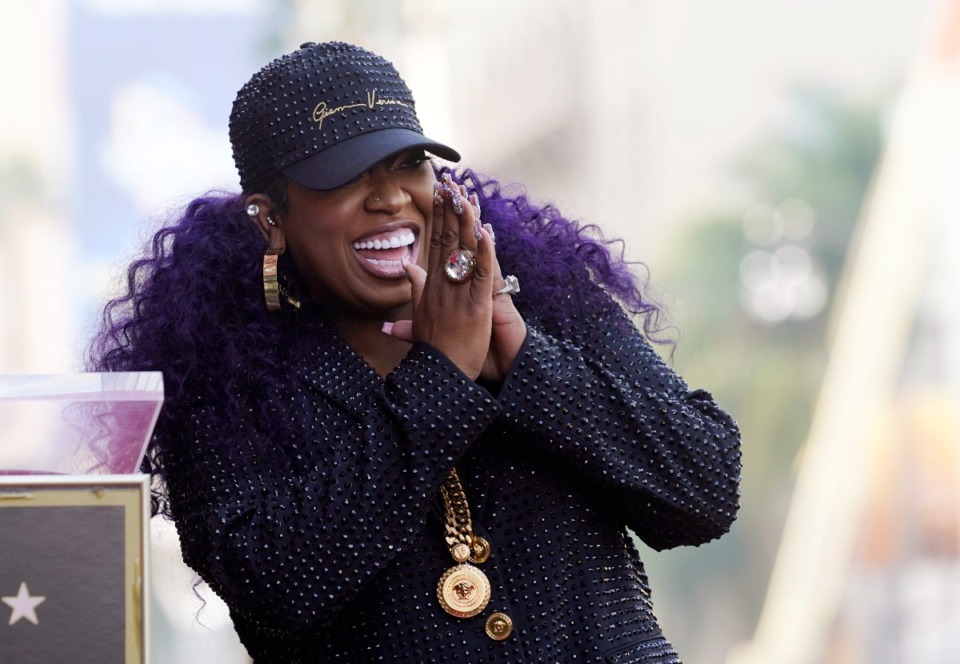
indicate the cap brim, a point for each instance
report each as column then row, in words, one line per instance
column 344, row 161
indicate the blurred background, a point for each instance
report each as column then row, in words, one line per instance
column 786, row 171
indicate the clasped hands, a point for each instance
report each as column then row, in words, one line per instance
column 478, row 329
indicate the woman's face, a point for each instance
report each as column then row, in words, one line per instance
column 350, row 244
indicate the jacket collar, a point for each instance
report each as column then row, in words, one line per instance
column 329, row 365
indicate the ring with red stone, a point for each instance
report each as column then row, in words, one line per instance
column 460, row 265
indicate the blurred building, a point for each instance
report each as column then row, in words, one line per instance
column 38, row 251
column 868, row 570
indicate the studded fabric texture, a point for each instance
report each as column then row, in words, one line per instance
column 335, row 556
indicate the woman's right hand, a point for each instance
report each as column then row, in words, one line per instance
column 455, row 318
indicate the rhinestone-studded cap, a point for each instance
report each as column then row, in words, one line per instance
column 323, row 115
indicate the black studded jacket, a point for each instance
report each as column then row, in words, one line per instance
column 336, row 558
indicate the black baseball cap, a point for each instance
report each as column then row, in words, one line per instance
column 323, row 115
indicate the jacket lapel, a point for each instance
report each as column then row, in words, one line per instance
column 331, row 367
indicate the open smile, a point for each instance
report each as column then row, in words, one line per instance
column 384, row 254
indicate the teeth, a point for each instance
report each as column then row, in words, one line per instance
column 377, row 261
column 403, row 239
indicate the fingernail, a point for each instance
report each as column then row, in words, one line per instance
column 437, row 193
column 456, row 201
column 493, row 236
column 387, row 327
column 475, row 202
column 453, row 193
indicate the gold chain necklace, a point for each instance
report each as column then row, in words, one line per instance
column 463, row 590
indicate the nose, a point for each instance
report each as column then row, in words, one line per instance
column 385, row 193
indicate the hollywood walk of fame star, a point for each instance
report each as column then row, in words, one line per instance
column 24, row 605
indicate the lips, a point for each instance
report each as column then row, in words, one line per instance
column 383, row 254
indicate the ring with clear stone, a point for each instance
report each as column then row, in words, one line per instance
column 460, row 265
column 510, row 287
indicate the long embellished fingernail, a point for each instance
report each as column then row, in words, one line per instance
column 474, row 201
column 456, row 201
column 446, row 183
column 453, row 193
column 493, row 236
column 437, row 194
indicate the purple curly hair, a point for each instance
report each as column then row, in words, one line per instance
column 193, row 307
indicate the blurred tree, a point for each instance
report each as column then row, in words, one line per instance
column 756, row 289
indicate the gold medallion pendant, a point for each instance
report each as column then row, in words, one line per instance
column 463, row 591
column 479, row 550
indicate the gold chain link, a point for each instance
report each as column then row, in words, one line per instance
column 463, row 590
column 459, row 527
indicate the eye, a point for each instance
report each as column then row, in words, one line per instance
column 409, row 160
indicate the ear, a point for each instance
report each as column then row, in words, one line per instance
column 267, row 220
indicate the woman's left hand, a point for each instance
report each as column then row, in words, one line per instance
column 508, row 332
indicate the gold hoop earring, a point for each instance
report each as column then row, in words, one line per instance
column 273, row 290
column 271, row 284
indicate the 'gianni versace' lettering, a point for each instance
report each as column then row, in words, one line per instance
column 321, row 112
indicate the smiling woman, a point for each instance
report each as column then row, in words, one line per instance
column 409, row 418
column 361, row 233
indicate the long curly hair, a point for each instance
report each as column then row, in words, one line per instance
column 193, row 302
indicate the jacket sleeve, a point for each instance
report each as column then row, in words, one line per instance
column 599, row 398
column 289, row 545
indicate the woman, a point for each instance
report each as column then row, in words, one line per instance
column 375, row 446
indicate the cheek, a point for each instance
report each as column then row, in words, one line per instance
column 314, row 233
column 312, row 257
column 427, row 229
column 423, row 199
